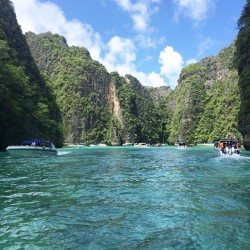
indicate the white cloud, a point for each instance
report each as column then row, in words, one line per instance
column 31, row 15
column 172, row 63
column 119, row 53
column 196, row 10
column 120, row 49
column 190, row 61
column 140, row 12
column 152, row 79
column 121, row 56
column 40, row 17
column 156, row 80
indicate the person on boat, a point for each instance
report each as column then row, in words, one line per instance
column 222, row 147
column 226, row 148
column 233, row 148
column 237, row 151
column 229, row 148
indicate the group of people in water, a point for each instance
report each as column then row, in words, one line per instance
column 228, row 147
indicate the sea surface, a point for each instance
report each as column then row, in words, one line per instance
column 126, row 198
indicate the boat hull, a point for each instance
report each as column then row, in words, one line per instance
column 219, row 152
column 31, row 151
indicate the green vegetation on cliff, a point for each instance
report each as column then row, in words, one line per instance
column 79, row 83
column 27, row 105
column 143, row 120
column 205, row 104
column 51, row 90
column 84, row 93
column 242, row 60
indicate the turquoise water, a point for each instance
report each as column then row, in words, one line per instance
column 126, row 198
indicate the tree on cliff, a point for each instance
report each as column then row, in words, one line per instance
column 27, row 105
column 242, row 59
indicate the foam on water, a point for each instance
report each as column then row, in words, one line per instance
column 63, row 153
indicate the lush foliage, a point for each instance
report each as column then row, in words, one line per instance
column 83, row 90
column 206, row 102
column 77, row 97
column 242, row 61
column 27, row 105
column 143, row 120
column 79, row 84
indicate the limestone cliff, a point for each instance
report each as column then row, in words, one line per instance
column 100, row 107
column 96, row 106
column 81, row 85
column 27, row 106
column 205, row 104
column 242, row 63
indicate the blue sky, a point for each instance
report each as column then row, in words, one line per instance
column 150, row 39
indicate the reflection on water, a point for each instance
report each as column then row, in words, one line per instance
column 125, row 198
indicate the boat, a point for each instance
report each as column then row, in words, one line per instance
column 227, row 147
column 33, row 148
column 77, row 145
column 128, row 144
column 181, row 145
column 141, row 144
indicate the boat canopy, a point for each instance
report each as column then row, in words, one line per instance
column 36, row 142
column 228, row 141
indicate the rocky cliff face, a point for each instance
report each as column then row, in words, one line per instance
column 159, row 93
column 114, row 103
column 115, row 109
column 27, row 105
column 80, row 84
column 242, row 63
column 205, row 104
column 100, row 107
column 96, row 106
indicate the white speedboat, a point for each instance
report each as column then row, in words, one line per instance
column 128, row 144
column 141, row 144
column 77, row 145
column 181, row 145
column 227, row 147
column 33, row 148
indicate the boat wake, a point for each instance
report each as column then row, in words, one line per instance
column 60, row 153
column 235, row 157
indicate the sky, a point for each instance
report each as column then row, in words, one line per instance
column 149, row 39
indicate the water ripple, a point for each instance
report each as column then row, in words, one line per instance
column 125, row 198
